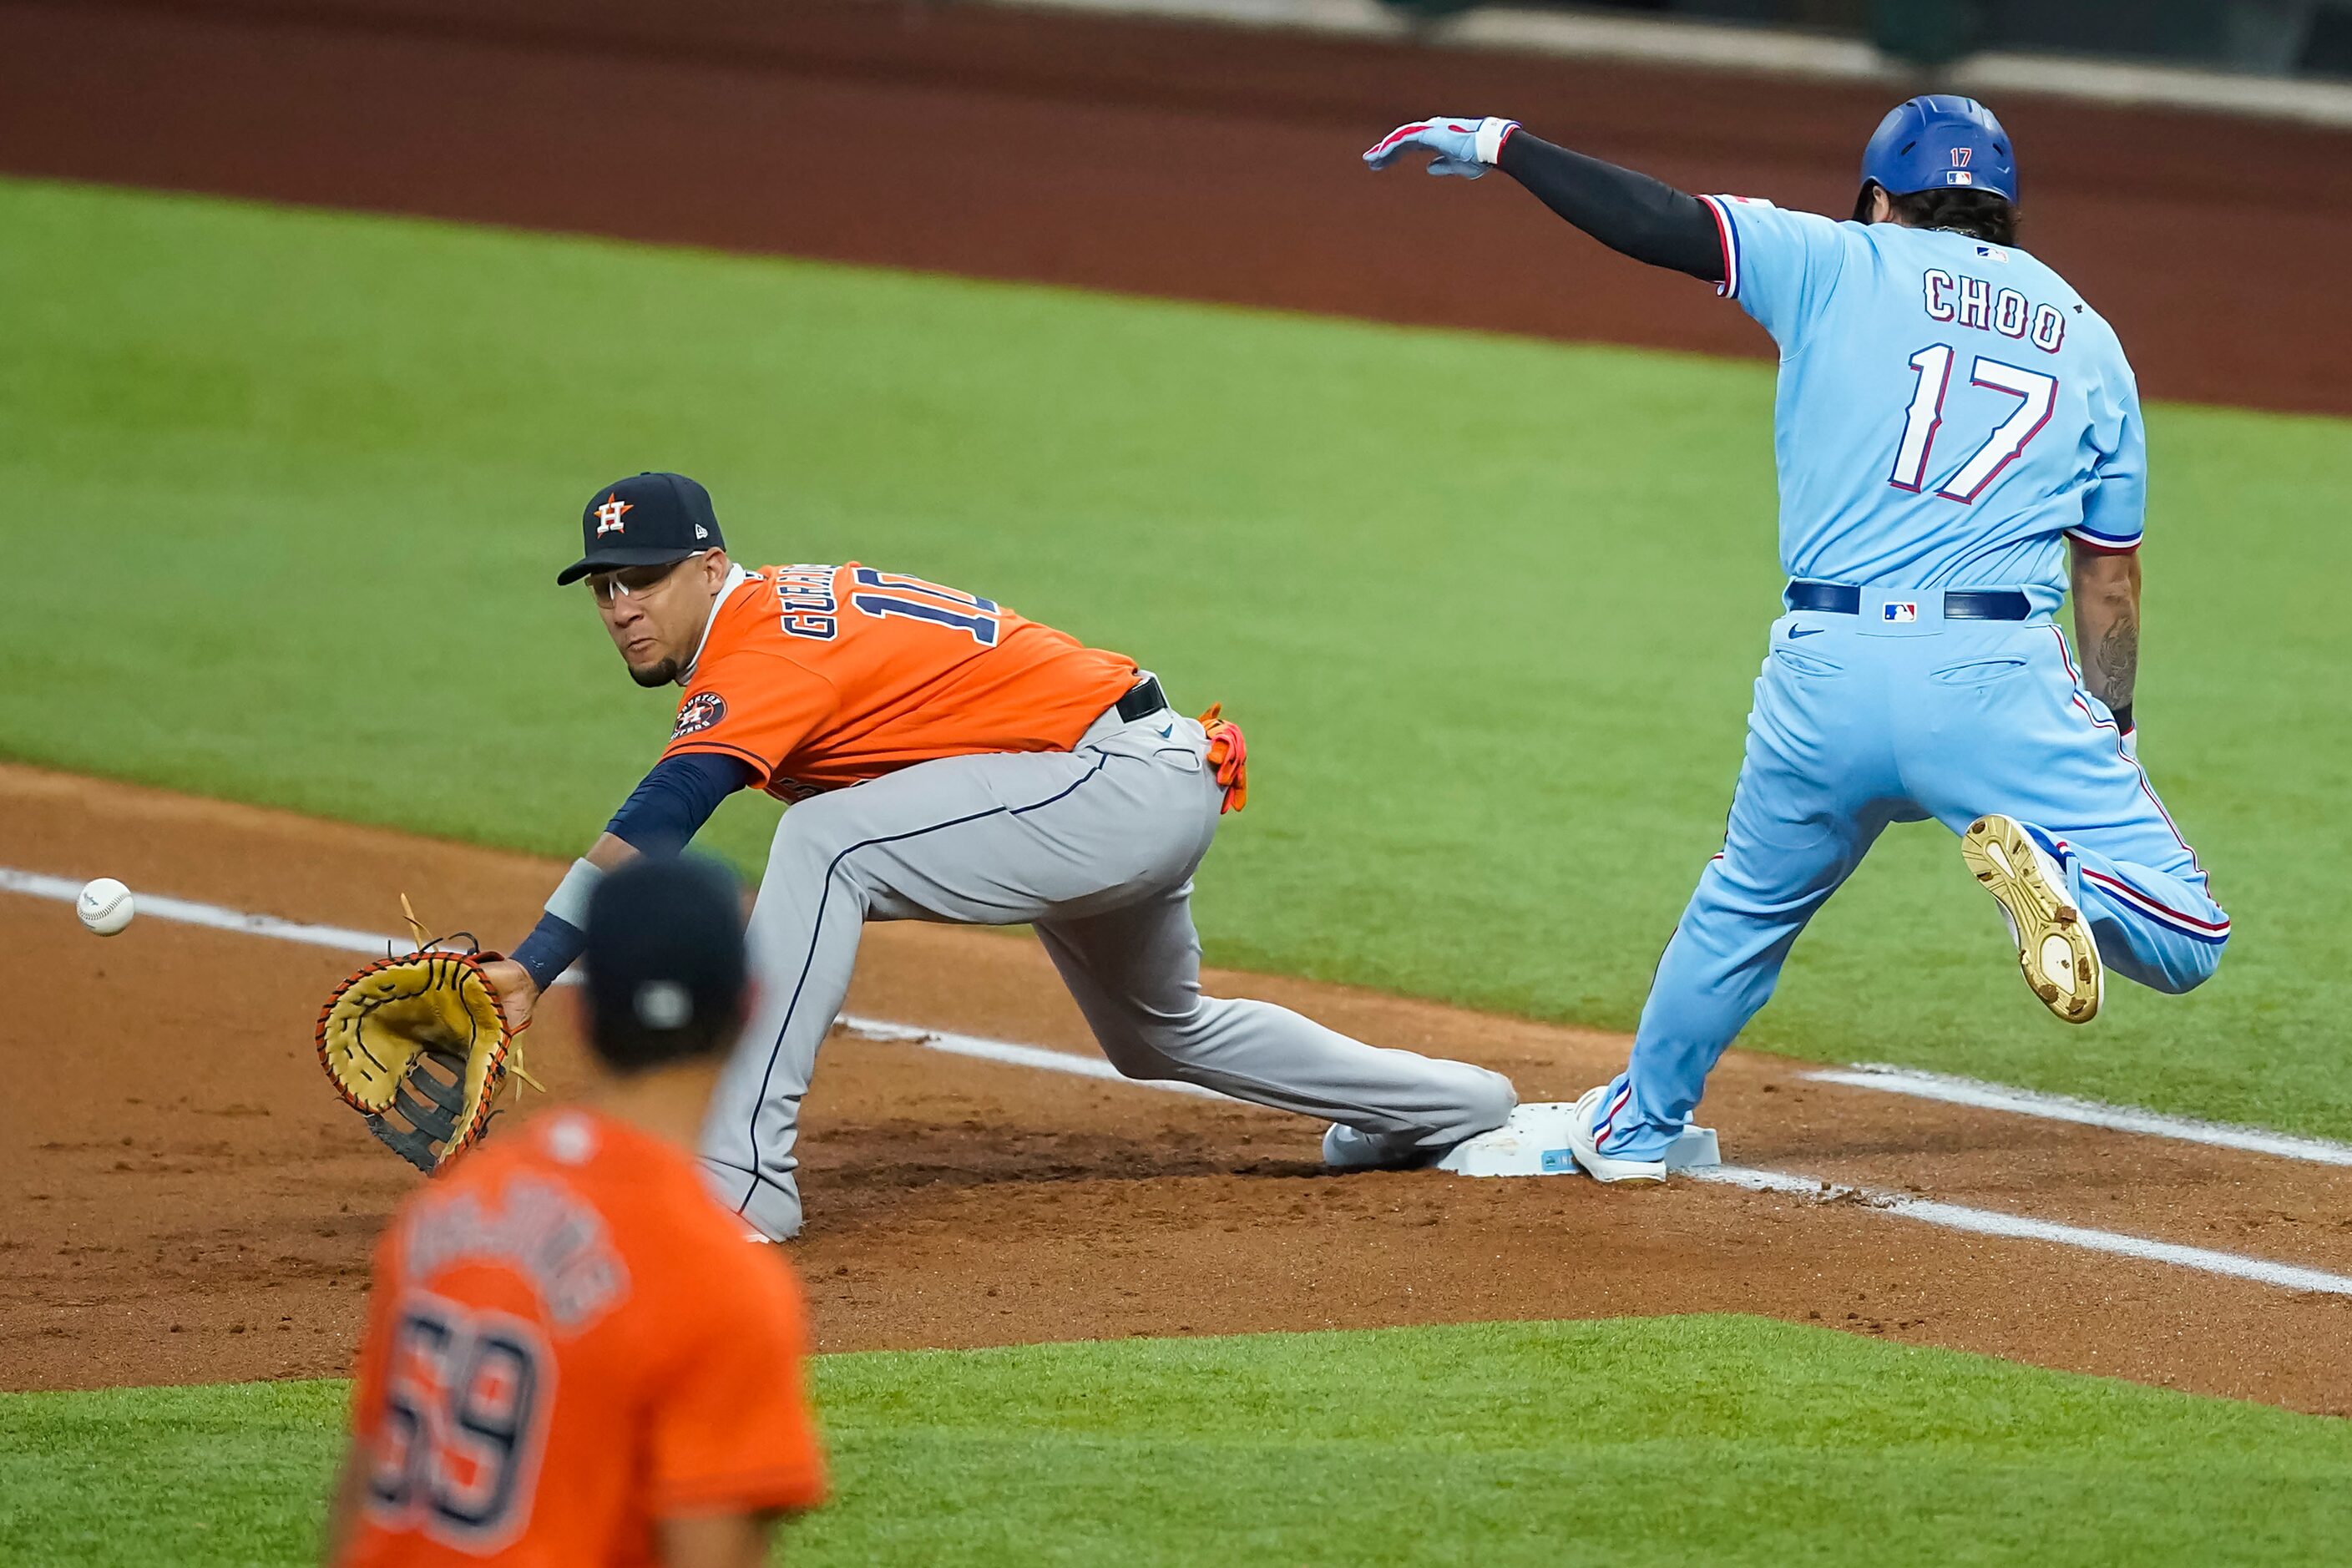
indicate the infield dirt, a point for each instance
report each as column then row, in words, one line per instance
column 190, row 1203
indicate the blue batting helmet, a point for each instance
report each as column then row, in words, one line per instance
column 1938, row 142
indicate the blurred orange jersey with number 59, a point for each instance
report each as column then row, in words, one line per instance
column 820, row 677
column 568, row 1339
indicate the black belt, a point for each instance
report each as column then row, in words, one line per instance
column 1142, row 699
column 1959, row 604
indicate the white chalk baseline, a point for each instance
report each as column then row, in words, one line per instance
column 1930, row 1086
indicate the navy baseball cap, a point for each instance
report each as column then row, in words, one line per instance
column 1940, row 142
column 665, row 961
column 644, row 521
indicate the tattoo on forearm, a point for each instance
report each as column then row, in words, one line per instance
column 2115, row 661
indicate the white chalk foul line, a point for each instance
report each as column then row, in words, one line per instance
column 1970, row 1091
column 157, row 906
column 1006, row 1051
column 1951, row 1217
column 1943, row 1087
column 1986, row 1222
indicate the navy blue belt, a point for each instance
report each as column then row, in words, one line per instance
column 1959, row 604
column 1142, row 699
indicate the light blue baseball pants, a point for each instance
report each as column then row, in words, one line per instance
column 1865, row 719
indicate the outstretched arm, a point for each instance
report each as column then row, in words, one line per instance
column 1628, row 212
column 2107, row 625
column 660, row 815
column 1646, row 219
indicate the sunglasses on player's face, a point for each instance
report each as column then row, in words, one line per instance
column 630, row 581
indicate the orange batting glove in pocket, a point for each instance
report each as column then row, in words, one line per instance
column 1228, row 757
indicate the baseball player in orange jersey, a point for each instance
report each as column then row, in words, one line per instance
column 950, row 761
column 572, row 1357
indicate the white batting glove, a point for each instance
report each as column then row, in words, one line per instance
column 1464, row 146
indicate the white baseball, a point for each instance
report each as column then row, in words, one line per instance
column 105, row 906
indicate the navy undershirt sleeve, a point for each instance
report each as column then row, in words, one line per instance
column 1630, row 212
column 676, row 799
column 553, row 945
column 663, row 812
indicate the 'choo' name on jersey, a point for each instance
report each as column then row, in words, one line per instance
column 1974, row 302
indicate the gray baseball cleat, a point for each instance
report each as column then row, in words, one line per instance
column 1352, row 1148
column 2054, row 946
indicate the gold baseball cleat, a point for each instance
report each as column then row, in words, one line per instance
column 2054, row 946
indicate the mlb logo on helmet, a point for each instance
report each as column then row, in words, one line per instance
column 1900, row 612
column 1938, row 142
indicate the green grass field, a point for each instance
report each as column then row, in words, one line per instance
column 1667, row 1441
column 283, row 488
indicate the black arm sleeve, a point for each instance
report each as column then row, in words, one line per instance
column 1644, row 219
column 676, row 799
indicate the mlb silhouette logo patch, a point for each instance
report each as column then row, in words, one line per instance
column 1958, row 177
column 1906, row 611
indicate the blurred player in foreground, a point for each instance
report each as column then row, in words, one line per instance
column 1958, row 440
column 572, row 1356
column 948, row 761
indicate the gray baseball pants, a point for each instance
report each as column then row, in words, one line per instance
column 1095, row 847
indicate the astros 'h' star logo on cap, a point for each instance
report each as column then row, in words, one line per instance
column 608, row 515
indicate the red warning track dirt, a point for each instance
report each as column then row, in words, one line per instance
column 1205, row 163
column 188, row 1202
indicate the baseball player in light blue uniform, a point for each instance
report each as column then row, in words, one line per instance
column 1959, row 444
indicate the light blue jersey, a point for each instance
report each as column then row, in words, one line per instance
column 1948, row 409
column 1950, row 413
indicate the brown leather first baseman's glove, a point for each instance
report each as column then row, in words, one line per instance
column 419, row 1046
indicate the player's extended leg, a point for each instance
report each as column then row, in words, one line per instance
column 1136, row 974
column 1815, row 791
column 999, row 839
column 2062, row 775
column 993, row 840
column 2154, row 925
column 802, row 944
column 1719, row 968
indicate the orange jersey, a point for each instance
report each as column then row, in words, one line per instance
column 569, row 1339
column 826, row 675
